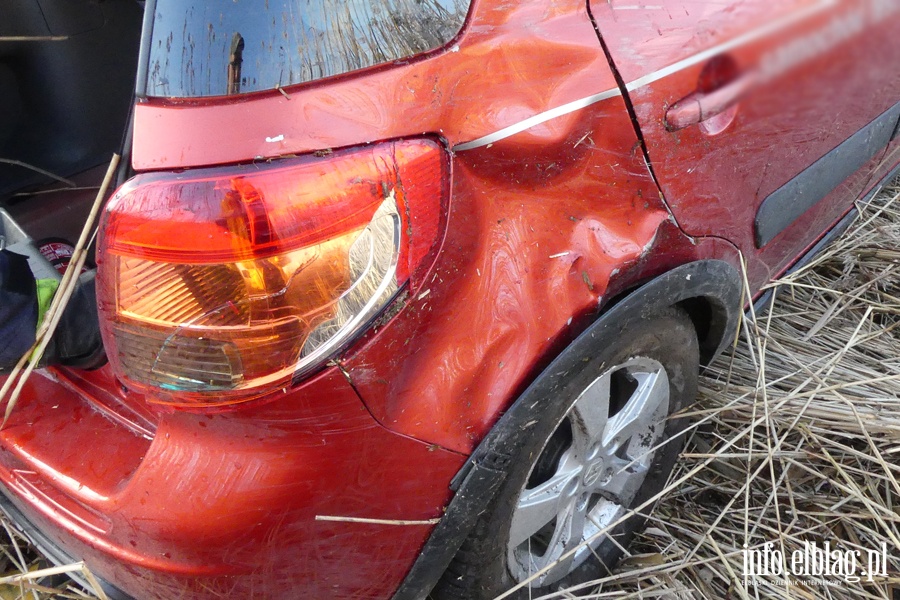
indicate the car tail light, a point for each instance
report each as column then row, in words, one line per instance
column 218, row 285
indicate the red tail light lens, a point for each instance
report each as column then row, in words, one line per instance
column 217, row 285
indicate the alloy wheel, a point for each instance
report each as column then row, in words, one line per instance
column 589, row 471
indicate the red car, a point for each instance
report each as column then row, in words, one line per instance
column 397, row 296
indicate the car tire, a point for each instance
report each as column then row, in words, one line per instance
column 592, row 450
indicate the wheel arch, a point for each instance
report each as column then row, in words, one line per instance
column 709, row 291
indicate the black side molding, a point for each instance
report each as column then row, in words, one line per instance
column 786, row 204
column 762, row 303
column 485, row 471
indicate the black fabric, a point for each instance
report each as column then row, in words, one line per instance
column 18, row 308
column 77, row 342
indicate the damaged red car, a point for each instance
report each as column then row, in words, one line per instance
column 404, row 297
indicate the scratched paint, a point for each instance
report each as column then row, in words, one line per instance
column 216, row 496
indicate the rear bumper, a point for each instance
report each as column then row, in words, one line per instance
column 227, row 503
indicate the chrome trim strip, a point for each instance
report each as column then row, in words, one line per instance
column 537, row 120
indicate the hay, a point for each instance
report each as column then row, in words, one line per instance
column 795, row 438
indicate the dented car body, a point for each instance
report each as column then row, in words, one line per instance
column 276, row 420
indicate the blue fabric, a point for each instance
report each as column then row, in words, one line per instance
column 18, row 308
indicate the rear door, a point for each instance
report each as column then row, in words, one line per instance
column 763, row 120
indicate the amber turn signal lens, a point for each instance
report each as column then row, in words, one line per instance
column 218, row 285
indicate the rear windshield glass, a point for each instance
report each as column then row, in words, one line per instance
column 220, row 47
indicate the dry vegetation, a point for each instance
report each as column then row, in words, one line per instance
column 795, row 440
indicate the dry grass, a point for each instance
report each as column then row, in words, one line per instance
column 29, row 576
column 795, row 440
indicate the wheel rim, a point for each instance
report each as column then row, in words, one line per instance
column 599, row 456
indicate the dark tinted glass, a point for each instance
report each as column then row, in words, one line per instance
column 218, row 47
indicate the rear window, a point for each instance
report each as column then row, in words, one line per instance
column 221, row 47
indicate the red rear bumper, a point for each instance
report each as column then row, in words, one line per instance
column 224, row 503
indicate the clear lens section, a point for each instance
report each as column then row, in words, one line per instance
column 373, row 264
